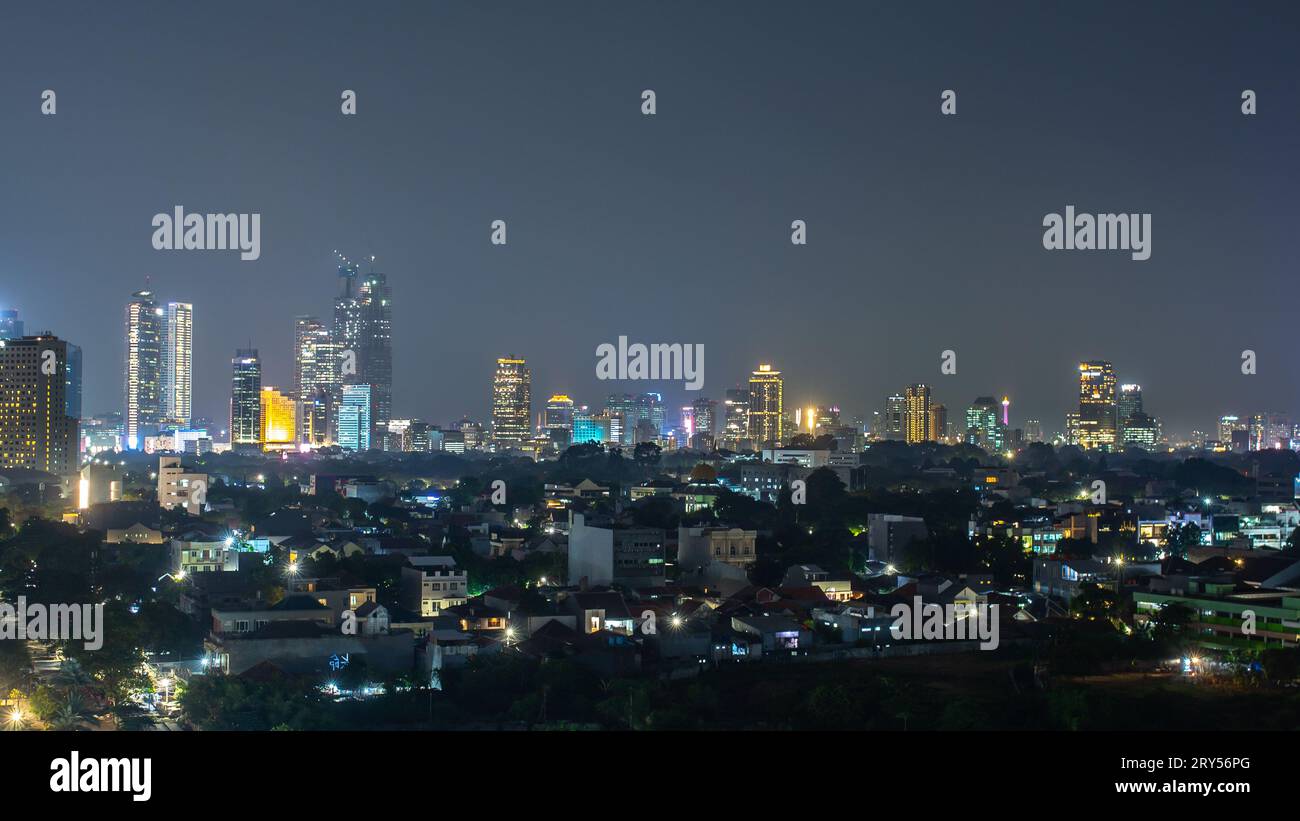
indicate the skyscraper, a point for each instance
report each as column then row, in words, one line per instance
column 735, row 418
column 938, row 422
column 144, row 369
column 246, row 400
column 766, row 416
column 1098, row 426
column 277, row 412
column 916, row 418
column 983, row 427
column 363, row 332
column 512, row 403
column 354, row 418
column 178, row 363
column 36, row 431
column 11, row 327
column 316, row 380
column 895, row 428
column 557, row 421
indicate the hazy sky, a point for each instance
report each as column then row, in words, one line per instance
column 924, row 231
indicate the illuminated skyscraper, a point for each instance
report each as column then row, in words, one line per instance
column 512, row 403
column 916, row 415
column 11, row 327
column 938, row 422
column 144, row 369
column 895, row 429
column 766, row 416
column 363, row 332
column 983, row 425
column 278, row 412
column 592, row 428
column 557, row 420
column 316, row 380
column 1098, row 426
column 704, row 414
column 735, row 418
column 1033, row 431
column 36, row 431
column 354, row 418
column 246, row 400
column 1227, row 426
column 178, row 363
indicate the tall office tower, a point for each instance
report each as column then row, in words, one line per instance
column 315, row 421
column 1072, row 428
column 1129, row 402
column 316, row 379
column 704, row 415
column 1098, row 423
column 630, row 411
column 766, row 407
column 144, row 368
column 278, row 415
column 1227, row 426
column 11, row 327
column 916, row 415
column 983, row 427
column 735, row 418
column 559, row 413
column 557, row 420
column 895, row 429
column 1140, row 430
column 363, row 331
column 36, row 431
column 938, row 422
column 354, row 418
column 246, row 400
column 178, row 363
column 1270, row 431
column 512, row 403
column 1033, row 431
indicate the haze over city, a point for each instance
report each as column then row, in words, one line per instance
column 924, row 232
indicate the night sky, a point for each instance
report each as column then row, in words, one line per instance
column 924, row 231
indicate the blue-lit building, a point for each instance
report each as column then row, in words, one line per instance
column 354, row 418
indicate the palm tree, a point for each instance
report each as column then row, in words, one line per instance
column 72, row 676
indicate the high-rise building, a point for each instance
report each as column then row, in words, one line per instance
column 1129, row 401
column 916, row 416
column 1227, row 426
column 735, row 418
column 316, row 380
column 1033, row 431
column 512, row 403
column 703, row 426
column 592, row 428
column 246, row 399
column 557, row 420
column 983, row 425
column 1140, row 431
column 1098, row 426
column 178, row 363
column 363, row 332
column 766, row 416
column 895, row 429
column 144, row 369
column 278, row 414
column 938, row 422
column 36, row 431
column 11, row 327
column 354, row 418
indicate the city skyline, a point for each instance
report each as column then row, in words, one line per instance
column 923, row 236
